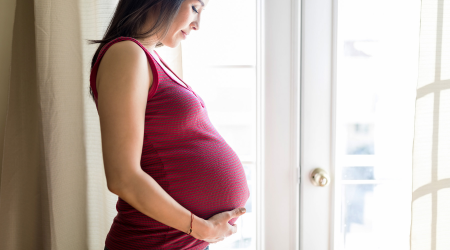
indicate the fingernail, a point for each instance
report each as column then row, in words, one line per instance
column 242, row 210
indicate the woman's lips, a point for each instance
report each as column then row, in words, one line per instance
column 184, row 34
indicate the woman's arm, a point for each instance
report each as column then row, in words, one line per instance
column 146, row 195
column 123, row 80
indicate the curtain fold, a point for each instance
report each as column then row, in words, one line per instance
column 24, row 210
column 60, row 81
column 53, row 192
column 7, row 13
column 430, row 228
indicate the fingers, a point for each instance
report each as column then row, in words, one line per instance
column 237, row 212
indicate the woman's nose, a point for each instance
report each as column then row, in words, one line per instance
column 196, row 23
column 195, row 26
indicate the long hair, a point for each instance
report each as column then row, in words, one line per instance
column 131, row 15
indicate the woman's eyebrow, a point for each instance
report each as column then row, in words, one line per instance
column 203, row 4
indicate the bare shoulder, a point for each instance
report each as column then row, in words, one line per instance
column 124, row 60
column 124, row 78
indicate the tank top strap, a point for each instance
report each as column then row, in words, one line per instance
column 150, row 59
column 173, row 72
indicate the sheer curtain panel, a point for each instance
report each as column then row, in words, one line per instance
column 430, row 228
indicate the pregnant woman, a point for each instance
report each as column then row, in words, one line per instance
column 180, row 185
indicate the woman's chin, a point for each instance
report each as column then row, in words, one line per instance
column 172, row 44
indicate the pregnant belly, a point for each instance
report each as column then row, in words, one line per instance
column 206, row 178
column 209, row 183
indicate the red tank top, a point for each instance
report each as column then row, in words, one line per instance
column 185, row 154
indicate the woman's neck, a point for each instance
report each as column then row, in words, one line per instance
column 147, row 43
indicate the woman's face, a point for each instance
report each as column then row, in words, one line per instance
column 187, row 19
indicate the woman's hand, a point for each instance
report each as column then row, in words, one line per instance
column 217, row 227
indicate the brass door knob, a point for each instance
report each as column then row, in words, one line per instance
column 319, row 177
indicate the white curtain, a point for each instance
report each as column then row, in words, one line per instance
column 53, row 192
column 430, row 229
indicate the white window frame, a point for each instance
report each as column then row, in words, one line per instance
column 278, row 119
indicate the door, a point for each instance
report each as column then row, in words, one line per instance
column 358, row 78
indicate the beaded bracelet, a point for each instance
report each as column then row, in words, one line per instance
column 192, row 218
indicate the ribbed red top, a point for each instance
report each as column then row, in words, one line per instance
column 185, row 154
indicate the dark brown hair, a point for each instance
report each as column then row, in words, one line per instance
column 131, row 15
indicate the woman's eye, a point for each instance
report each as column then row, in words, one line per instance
column 193, row 8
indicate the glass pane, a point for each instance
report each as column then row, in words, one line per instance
column 357, row 201
column 219, row 63
column 377, row 56
column 360, row 139
column 357, row 173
